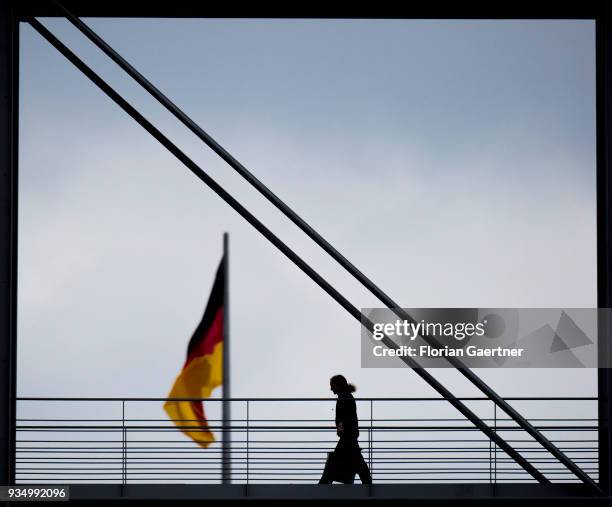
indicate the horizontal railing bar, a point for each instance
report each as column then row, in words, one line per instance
column 296, row 472
column 255, row 472
column 469, row 398
column 184, row 460
column 188, row 443
column 306, row 460
column 315, row 450
column 110, row 450
column 271, row 480
column 378, row 419
column 132, row 427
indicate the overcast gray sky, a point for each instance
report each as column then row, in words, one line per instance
column 452, row 161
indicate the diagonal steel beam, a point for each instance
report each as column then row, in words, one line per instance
column 323, row 243
column 270, row 236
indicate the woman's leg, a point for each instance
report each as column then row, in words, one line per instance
column 363, row 470
column 326, row 478
column 354, row 459
column 344, row 461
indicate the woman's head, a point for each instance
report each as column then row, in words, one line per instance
column 339, row 385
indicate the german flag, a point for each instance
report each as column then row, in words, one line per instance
column 203, row 368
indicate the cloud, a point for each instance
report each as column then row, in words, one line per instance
column 119, row 243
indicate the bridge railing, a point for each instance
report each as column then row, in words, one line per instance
column 286, row 440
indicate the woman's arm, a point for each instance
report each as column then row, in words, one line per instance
column 341, row 414
column 339, row 428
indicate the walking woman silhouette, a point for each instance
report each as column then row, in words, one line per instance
column 346, row 460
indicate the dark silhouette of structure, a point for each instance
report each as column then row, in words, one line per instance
column 12, row 13
column 346, row 460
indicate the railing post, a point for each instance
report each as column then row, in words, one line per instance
column 371, row 446
column 495, row 454
column 123, row 444
column 491, row 453
column 247, row 444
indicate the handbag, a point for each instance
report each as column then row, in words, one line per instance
column 339, row 469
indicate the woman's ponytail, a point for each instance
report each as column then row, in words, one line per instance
column 341, row 385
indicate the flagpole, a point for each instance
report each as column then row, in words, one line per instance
column 226, row 471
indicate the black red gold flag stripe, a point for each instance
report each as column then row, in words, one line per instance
column 203, row 368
